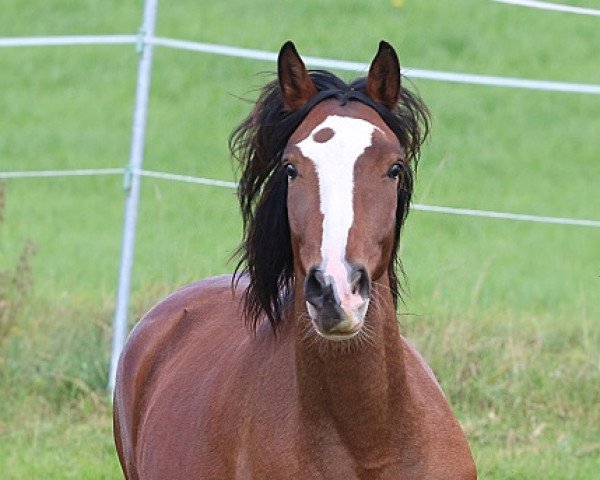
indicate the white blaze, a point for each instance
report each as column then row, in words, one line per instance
column 334, row 162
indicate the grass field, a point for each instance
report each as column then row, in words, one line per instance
column 507, row 313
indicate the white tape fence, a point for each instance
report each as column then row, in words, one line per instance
column 556, row 7
column 315, row 62
column 522, row 217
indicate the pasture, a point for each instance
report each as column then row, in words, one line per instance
column 505, row 312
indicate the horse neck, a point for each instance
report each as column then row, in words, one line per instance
column 356, row 387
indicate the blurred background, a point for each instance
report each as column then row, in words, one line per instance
column 506, row 312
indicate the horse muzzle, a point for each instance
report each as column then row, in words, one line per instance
column 337, row 310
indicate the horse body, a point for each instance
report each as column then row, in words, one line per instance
column 323, row 386
column 257, row 406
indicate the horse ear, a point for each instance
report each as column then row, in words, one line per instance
column 295, row 83
column 383, row 81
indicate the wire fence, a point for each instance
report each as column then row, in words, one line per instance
column 317, row 62
column 145, row 40
column 556, row 7
column 81, row 172
column 522, row 217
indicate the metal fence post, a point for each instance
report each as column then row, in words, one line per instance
column 132, row 184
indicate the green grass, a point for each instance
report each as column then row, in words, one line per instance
column 506, row 312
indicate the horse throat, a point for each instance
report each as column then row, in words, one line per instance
column 353, row 390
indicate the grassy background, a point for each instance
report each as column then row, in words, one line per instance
column 507, row 313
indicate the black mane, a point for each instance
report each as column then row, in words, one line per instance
column 258, row 143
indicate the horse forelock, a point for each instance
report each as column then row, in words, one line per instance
column 265, row 252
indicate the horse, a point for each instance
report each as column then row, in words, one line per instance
column 294, row 367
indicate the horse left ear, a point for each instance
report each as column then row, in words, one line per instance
column 297, row 87
column 383, row 81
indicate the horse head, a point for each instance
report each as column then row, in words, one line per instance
column 326, row 186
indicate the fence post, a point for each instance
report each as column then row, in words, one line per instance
column 132, row 184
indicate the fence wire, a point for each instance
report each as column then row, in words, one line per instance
column 522, row 217
column 557, row 7
column 248, row 53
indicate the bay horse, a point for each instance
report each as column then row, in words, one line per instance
column 319, row 384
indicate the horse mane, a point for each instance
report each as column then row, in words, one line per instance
column 265, row 253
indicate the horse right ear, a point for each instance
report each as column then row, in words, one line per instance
column 383, row 81
column 296, row 85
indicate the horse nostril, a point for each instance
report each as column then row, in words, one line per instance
column 360, row 282
column 314, row 287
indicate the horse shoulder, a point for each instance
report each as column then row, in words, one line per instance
column 449, row 453
column 156, row 340
column 169, row 324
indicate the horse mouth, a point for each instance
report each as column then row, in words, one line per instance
column 341, row 332
column 338, row 337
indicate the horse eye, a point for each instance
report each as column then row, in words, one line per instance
column 395, row 170
column 291, row 171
